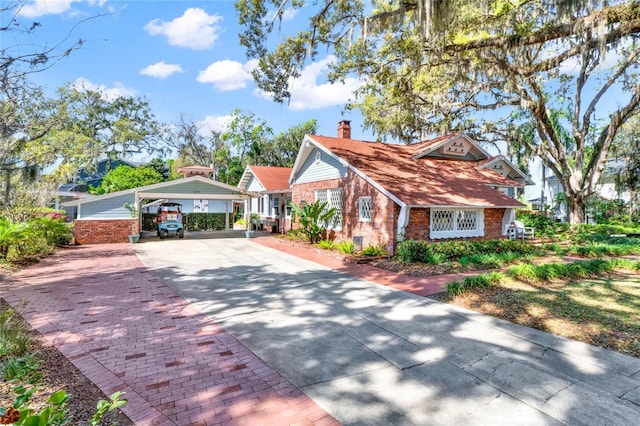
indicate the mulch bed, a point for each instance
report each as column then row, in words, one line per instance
column 59, row 373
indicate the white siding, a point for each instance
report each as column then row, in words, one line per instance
column 320, row 166
column 254, row 185
column 215, row 206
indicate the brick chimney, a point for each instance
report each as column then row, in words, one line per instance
column 344, row 129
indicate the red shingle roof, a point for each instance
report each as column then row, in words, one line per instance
column 427, row 181
column 272, row 178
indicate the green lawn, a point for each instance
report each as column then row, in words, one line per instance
column 602, row 311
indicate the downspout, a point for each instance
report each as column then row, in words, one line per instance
column 403, row 221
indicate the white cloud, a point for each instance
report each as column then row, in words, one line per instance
column 195, row 29
column 109, row 94
column 227, row 75
column 287, row 15
column 211, row 123
column 307, row 93
column 161, row 70
column 38, row 8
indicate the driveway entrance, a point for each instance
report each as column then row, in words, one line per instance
column 372, row 355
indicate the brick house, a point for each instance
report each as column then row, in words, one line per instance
column 444, row 188
column 272, row 183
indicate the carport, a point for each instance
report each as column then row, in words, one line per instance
column 105, row 219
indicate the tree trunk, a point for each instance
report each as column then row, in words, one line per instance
column 576, row 205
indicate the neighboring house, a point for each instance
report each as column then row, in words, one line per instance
column 94, row 177
column 272, row 183
column 606, row 189
column 444, row 188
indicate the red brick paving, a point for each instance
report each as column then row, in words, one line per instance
column 127, row 331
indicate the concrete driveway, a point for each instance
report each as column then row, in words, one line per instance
column 372, row 355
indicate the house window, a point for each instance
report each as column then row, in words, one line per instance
column 456, row 223
column 200, row 206
column 261, row 205
column 288, row 207
column 364, row 209
column 333, row 198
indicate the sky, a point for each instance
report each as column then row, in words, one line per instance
column 183, row 57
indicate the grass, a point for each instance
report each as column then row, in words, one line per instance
column 575, row 301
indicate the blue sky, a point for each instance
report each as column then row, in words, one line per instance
column 183, row 57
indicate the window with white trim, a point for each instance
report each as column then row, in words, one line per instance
column 288, row 207
column 333, row 198
column 456, row 223
column 261, row 205
column 364, row 209
column 200, row 206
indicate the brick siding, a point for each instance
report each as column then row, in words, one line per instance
column 384, row 212
column 418, row 226
column 382, row 228
column 104, row 231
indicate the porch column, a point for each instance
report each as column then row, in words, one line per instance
column 226, row 216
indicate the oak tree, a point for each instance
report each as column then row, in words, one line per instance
column 552, row 78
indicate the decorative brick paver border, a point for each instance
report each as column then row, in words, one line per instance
column 127, row 331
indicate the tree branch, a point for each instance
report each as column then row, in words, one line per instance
column 627, row 16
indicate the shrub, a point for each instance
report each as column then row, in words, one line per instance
column 410, row 251
column 545, row 226
column 434, row 258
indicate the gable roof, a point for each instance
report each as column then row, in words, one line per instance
column 152, row 191
column 272, row 179
column 193, row 170
column 489, row 163
column 410, row 176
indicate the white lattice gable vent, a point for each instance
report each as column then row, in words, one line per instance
column 501, row 168
column 458, row 147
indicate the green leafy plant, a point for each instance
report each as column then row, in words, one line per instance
column 580, row 269
column 14, row 337
column 133, row 210
column 25, row 369
column 103, row 407
column 372, row 250
column 52, row 415
column 410, row 251
column 346, row 247
column 458, row 287
column 327, row 244
column 10, row 234
column 311, row 217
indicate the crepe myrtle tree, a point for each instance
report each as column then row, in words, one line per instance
column 554, row 79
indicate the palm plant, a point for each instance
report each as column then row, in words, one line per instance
column 312, row 217
column 10, row 233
